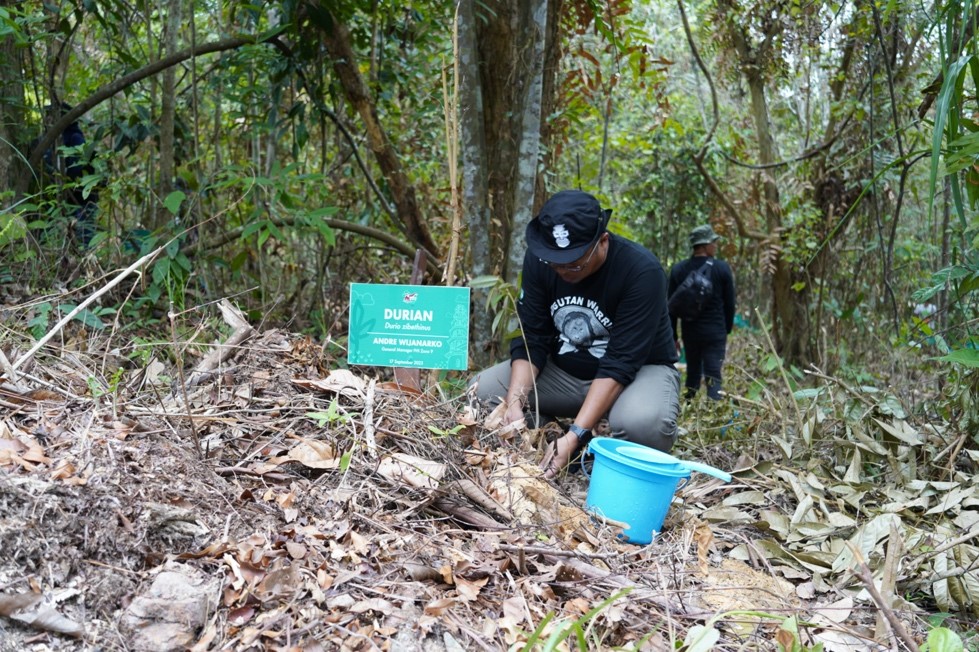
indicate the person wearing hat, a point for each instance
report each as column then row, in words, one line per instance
column 705, row 336
column 596, row 338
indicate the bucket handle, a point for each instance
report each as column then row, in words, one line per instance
column 584, row 469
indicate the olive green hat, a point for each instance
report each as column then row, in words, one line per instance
column 702, row 235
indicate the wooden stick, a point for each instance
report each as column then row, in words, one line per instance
column 466, row 514
column 867, row 577
column 243, row 330
column 84, row 304
column 405, row 377
column 6, row 367
column 888, row 580
column 555, row 552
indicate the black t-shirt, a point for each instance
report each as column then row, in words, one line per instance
column 717, row 316
column 606, row 326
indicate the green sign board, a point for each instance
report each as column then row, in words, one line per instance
column 409, row 326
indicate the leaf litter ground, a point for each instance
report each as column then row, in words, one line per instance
column 308, row 507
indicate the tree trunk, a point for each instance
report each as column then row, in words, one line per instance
column 533, row 30
column 475, row 199
column 168, row 105
column 11, row 115
column 336, row 38
column 791, row 327
column 502, row 93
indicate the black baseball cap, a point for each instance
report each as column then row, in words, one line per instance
column 566, row 227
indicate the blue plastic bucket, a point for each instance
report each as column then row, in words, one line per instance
column 635, row 484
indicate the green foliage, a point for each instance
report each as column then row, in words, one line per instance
column 703, row 638
column 332, row 415
column 584, row 632
column 39, row 322
column 91, row 317
column 942, row 639
column 501, row 299
column 439, row 432
column 170, row 272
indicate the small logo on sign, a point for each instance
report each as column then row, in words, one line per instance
column 410, row 297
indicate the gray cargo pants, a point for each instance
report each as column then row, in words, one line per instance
column 645, row 412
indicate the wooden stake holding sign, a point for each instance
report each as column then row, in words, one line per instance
column 406, row 378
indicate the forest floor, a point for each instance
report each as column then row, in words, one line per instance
column 260, row 497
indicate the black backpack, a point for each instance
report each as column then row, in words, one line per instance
column 690, row 297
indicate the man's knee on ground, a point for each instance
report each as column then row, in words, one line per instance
column 654, row 428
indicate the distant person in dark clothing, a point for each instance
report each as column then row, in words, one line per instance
column 596, row 340
column 705, row 337
column 72, row 169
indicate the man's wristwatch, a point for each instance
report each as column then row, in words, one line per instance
column 579, row 432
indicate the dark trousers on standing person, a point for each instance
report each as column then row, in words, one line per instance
column 704, row 360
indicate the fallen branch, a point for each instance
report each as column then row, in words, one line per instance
column 867, row 577
column 221, row 352
column 11, row 373
column 555, row 552
column 479, row 497
column 86, row 303
column 466, row 514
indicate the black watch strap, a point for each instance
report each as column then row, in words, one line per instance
column 579, row 432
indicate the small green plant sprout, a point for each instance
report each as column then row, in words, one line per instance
column 95, row 388
column 583, row 630
column 445, row 433
column 39, row 323
column 332, row 415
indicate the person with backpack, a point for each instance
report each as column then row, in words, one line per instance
column 596, row 340
column 702, row 296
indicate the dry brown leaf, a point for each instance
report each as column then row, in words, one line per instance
column 296, row 550
column 438, row 607
column 467, row 417
column 340, row 381
column 11, row 445
column 494, row 421
column 281, row 583
column 378, row 605
column 834, row 613
column 35, row 453
column 415, row 471
column 48, row 619
column 469, row 590
column 11, row 603
column 311, row 453
column 241, row 615
column 65, row 469
column 43, row 395
column 704, row 537
column 360, row 543
column 578, row 606
column 484, row 459
column 422, row 572
column 30, row 608
column 286, row 502
column 324, row 579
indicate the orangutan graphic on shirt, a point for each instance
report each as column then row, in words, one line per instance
column 579, row 330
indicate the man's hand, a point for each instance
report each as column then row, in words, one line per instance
column 558, row 454
column 508, row 416
column 514, row 414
